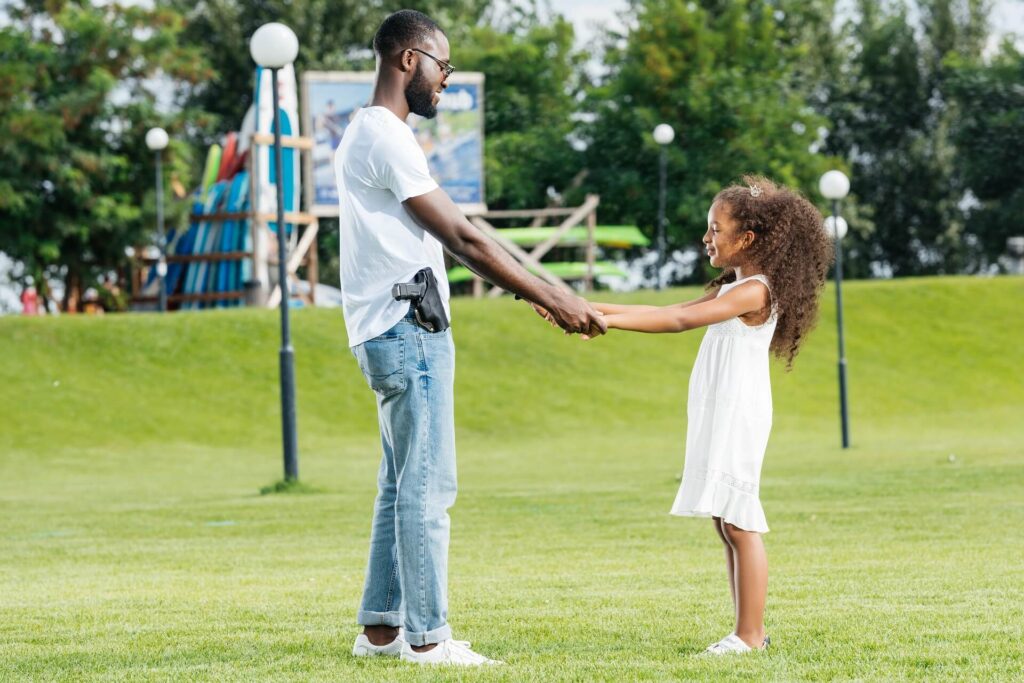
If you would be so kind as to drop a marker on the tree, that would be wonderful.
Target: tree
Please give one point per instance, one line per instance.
(533, 79)
(531, 68)
(337, 35)
(726, 76)
(989, 133)
(532, 73)
(887, 101)
(74, 108)
(333, 35)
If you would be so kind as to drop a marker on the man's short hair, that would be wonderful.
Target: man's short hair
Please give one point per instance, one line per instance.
(404, 29)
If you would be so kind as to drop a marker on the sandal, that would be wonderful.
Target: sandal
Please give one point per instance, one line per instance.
(732, 644)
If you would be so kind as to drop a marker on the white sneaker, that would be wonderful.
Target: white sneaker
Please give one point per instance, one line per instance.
(449, 652)
(364, 648)
(732, 644)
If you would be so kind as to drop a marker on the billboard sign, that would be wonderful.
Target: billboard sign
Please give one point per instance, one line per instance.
(453, 141)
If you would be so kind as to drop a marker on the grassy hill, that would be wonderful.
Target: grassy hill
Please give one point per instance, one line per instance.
(134, 543)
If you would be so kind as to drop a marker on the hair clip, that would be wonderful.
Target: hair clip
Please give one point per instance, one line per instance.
(755, 191)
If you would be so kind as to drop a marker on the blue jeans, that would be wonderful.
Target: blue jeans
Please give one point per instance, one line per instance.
(412, 373)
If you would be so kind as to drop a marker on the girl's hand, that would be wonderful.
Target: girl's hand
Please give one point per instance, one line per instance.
(592, 333)
(543, 312)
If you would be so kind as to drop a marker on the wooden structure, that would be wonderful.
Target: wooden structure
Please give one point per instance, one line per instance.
(301, 248)
(531, 260)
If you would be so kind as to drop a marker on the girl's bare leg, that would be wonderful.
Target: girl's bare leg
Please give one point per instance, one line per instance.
(751, 582)
(730, 568)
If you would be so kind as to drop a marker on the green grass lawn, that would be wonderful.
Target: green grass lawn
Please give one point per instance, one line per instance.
(134, 544)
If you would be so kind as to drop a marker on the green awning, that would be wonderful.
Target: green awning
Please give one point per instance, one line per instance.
(613, 236)
(565, 271)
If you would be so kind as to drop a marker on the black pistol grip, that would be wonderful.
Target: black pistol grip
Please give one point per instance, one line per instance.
(408, 291)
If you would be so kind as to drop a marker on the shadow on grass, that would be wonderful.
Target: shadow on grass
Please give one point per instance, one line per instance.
(292, 486)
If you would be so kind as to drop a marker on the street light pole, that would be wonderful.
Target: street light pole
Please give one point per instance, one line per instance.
(273, 46)
(161, 267)
(661, 217)
(843, 410)
(663, 135)
(287, 354)
(156, 140)
(834, 185)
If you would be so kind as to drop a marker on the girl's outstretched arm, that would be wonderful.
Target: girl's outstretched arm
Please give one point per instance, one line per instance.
(610, 309)
(623, 308)
(710, 296)
(746, 298)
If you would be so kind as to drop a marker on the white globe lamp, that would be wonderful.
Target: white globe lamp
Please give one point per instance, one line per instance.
(274, 45)
(156, 139)
(834, 222)
(834, 185)
(664, 134)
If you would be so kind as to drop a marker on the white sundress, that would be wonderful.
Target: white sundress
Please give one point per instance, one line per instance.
(729, 417)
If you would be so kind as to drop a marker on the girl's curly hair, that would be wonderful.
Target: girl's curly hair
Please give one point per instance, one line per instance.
(792, 249)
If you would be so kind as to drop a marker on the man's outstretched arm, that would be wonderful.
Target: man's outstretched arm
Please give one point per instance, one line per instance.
(438, 215)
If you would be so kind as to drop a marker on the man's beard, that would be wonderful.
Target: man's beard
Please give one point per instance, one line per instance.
(420, 96)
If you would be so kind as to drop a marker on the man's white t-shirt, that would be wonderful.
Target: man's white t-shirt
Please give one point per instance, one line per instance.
(379, 165)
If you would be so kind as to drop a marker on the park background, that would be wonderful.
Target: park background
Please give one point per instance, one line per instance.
(135, 542)
(919, 103)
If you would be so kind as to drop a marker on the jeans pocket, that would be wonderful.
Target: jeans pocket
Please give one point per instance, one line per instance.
(382, 361)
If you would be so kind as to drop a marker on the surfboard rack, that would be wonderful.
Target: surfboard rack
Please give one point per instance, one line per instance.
(205, 297)
(301, 251)
(302, 243)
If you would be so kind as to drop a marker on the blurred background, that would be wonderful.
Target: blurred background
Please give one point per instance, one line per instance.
(920, 103)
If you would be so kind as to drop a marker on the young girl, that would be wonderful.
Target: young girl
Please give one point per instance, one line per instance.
(774, 252)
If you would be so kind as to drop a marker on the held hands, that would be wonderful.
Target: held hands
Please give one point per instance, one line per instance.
(574, 315)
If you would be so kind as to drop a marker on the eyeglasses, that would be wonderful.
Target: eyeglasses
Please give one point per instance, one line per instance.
(448, 69)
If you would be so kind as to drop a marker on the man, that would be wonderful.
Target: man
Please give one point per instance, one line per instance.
(394, 220)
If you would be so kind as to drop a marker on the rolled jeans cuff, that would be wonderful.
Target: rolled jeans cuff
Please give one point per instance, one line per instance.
(428, 637)
(392, 619)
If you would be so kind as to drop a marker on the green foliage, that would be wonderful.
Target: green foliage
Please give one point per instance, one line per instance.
(888, 106)
(725, 76)
(989, 132)
(74, 108)
(532, 74)
(903, 100)
(333, 35)
(533, 77)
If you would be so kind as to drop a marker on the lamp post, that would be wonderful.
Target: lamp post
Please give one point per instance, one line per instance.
(663, 135)
(273, 46)
(834, 185)
(156, 140)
